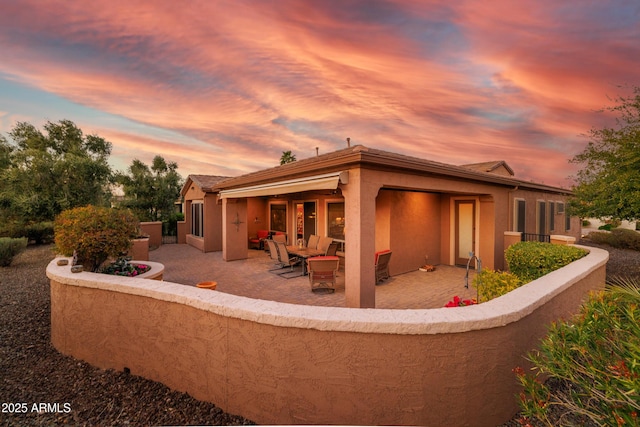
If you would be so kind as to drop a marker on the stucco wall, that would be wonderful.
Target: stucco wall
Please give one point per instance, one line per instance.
(278, 363)
(154, 230)
(409, 224)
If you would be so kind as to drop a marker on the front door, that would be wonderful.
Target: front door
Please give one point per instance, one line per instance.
(465, 225)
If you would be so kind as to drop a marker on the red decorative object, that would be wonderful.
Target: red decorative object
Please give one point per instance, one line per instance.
(457, 302)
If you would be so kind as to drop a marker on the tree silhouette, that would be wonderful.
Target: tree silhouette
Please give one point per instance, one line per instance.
(287, 157)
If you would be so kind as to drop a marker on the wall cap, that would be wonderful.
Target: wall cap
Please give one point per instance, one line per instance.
(498, 312)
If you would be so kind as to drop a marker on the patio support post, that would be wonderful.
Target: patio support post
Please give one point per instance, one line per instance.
(360, 224)
(234, 229)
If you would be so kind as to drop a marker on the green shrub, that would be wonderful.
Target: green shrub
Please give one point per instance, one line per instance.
(9, 248)
(95, 233)
(606, 227)
(530, 260)
(586, 223)
(593, 364)
(600, 237)
(40, 232)
(625, 239)
(492, 284)
(618, 238)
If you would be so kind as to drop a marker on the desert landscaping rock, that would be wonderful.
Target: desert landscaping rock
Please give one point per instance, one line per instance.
(32, 370)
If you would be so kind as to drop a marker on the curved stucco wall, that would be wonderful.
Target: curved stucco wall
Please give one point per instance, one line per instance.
(277, 363)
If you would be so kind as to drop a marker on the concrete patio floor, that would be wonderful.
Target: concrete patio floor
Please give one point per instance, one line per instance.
(251, 278)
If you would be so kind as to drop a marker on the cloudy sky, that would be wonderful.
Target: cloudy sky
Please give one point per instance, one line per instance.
(224, 87)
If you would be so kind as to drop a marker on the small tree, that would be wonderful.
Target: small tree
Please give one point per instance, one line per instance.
(609, 183)
(95, 233)
(287, 157)
(42, 174)
(151, 192)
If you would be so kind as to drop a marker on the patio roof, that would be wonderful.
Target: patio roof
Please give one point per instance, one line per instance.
(327, 181)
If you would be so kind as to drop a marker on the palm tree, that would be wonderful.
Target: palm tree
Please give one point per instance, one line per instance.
(287, 157)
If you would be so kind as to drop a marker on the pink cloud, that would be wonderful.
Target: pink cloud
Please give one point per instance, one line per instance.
(240, 81)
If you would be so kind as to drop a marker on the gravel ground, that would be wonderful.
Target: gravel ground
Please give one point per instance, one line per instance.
(33, 372)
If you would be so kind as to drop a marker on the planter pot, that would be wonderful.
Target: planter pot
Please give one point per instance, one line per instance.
(207, 285)
(156, 272)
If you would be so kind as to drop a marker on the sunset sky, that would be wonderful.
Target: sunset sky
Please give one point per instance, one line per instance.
(224, 87)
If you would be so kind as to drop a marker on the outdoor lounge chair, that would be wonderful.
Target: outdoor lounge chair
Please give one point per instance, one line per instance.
(257, 242)
(323, 271)
(382, 265)
(313, 241)
(332, 249)
(285, 259)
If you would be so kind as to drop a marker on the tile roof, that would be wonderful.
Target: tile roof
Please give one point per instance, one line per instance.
(489, 166)
(206, 182)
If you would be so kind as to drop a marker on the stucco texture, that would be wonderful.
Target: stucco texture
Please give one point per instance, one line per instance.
(277, 363)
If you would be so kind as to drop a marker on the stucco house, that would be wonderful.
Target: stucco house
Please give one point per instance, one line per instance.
(371, 200)
(202, 227)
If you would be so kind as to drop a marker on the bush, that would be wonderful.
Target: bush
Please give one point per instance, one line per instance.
(95, 233)
(530, 260)
(600, 237)
(40, 232)
(592, 363)
(618, 238)
(492, 284)
(9, 248)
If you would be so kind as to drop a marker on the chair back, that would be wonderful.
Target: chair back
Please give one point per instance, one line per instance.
(332, 249)
(273, 250)
(280, 238)
(323, 264)
(282, 252)
(324, 243)
(382, 265)
(263, 234)
(323, 269)
(313, 241)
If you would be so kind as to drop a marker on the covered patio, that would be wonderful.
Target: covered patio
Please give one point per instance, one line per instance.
(251, 278)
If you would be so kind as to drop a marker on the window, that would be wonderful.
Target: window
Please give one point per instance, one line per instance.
(552, 216)
(278, 217)
(335, 220)
(567, 220)
(197, 218)
(560, 207)
(542, 217)
(520, 215)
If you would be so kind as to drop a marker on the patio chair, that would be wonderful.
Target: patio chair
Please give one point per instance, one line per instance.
(323, 271)
(285, 259)
(313, 241)
(324, 243)
(257, 242)
(273, 254)
(332, 249)
(382, 265)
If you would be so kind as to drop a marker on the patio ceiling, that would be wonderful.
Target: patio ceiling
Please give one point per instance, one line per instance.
(327, 181)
